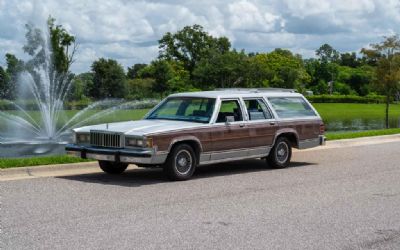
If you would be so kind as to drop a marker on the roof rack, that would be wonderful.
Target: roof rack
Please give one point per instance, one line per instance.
(257, 90)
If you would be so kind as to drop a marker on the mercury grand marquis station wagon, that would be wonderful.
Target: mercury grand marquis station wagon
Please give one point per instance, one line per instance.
(186, 130)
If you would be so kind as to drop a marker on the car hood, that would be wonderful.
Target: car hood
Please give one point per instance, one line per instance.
(141, 127)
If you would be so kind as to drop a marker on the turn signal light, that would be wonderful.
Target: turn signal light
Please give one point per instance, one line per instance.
(321, 129)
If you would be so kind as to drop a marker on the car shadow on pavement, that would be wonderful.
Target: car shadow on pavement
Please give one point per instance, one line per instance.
(140, 177)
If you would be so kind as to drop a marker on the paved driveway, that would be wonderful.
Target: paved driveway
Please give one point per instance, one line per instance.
(338, 198)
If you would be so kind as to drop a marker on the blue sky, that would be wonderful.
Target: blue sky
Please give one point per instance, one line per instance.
(128, 30)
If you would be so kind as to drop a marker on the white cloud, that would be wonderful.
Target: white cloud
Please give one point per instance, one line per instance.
(128, 30)
(245, 15)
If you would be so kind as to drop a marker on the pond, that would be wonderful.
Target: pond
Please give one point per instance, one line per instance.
(356, 117)
(338, 117)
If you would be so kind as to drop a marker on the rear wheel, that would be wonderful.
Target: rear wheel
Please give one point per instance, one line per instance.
(112, 167)
(280, 155)
(181, 163)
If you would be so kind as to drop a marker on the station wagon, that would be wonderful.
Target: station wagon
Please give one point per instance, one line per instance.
(187, 130)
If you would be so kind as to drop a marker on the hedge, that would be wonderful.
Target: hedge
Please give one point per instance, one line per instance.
(31, 105)
(346, 99)
(72, 105)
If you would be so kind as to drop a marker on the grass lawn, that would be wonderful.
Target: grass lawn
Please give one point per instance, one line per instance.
(36, 161)
(357, 134)
(350, 111)
(330, 112)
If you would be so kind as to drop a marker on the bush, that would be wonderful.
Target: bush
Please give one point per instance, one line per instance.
(31, 104)
(346, 99)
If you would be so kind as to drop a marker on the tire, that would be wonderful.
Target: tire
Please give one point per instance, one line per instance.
(110, 167)
(181, 163)
(280, 155)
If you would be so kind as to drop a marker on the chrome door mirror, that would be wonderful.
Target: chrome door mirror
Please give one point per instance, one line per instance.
(229, 120)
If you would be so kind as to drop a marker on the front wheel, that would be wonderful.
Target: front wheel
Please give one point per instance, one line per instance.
(112, 167)
(181, 163)
(280, 154)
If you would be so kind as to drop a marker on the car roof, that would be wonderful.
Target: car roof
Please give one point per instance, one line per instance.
(233, 93)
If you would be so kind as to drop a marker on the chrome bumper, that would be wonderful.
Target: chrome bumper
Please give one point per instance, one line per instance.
(145, 156)
(322, 140)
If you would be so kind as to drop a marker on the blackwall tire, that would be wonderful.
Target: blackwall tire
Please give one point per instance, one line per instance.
(110, 167)
(280, 154)
(181, 163)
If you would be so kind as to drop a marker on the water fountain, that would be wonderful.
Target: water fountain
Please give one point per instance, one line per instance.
(22, 133)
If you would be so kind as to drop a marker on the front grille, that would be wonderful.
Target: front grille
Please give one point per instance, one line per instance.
(105, 139)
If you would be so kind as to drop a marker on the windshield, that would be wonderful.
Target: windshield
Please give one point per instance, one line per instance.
(191, 109)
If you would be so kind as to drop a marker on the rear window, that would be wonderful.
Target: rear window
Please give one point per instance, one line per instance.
(290, 107)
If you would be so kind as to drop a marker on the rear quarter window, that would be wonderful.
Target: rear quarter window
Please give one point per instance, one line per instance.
(291, 107)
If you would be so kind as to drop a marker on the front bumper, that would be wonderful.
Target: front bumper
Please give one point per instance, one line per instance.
(322, 140)
(145, 156)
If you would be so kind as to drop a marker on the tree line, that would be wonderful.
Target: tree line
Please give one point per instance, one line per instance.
(192, 59)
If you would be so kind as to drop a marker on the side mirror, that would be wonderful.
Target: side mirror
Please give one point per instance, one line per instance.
(229, 119)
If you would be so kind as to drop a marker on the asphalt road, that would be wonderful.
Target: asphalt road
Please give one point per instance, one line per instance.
(342, 198)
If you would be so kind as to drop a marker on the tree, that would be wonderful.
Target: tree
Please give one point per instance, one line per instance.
(288, 69)
(190, 45)
(221, 70)
(81, 86)
(139, 88)
(388, 68)
(134, 70)
(108, 79)
(169, 76)
(327, 53)
(349, 59)
(63, 46)
(14, 67)
(4, 84)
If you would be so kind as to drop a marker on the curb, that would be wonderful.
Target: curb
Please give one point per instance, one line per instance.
(92, 167)
(48, 170)
(362, 141)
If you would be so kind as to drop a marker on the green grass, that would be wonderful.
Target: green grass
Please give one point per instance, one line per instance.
(330, 112)
(348, 111)
(36, 161)
(350, 135)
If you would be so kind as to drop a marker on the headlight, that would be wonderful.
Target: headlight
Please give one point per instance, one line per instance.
(139, 142)
(82, 138)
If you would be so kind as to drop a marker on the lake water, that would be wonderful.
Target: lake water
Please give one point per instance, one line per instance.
(359, 124)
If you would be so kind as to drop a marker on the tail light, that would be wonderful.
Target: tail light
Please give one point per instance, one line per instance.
(321, 129)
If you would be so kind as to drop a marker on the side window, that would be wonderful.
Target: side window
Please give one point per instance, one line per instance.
(257, 109)
(229, 108)
(289, 107)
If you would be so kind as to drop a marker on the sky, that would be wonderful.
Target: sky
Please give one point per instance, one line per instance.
(128, 31)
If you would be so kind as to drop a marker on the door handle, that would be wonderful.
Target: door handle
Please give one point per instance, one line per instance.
(241, 125)
(271, 123)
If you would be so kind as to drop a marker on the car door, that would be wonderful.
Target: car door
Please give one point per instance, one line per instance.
(229, 134)
(261, 125)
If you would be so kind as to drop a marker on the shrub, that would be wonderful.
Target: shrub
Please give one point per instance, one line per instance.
(346, 99)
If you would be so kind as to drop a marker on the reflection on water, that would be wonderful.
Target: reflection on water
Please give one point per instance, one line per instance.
(359, 124)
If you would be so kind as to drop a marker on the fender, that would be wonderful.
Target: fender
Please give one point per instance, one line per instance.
(284, 131)
(185, 138)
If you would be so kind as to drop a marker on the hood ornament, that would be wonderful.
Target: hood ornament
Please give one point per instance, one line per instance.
(107, 126)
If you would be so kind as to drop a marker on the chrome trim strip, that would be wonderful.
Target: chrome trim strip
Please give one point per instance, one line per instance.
(238, 149)
(232, 159)
(233, 155)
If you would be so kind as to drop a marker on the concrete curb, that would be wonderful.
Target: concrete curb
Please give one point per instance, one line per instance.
(363, 141)
(92, 167)
(48, 170)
